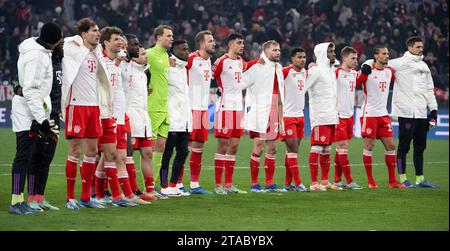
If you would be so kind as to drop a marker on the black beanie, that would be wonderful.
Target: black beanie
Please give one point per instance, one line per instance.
(50, 33)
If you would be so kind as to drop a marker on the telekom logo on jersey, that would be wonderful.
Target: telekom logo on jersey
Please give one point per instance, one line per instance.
(238, 76)
(91, 65)
(383, 86)
(300, 84)
(206, 75)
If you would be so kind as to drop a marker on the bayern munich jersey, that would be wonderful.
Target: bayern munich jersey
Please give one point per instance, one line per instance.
(346, 85)
(228, 73)
(199, 79)
(83, 91)
(119, 101)
(294, 98)
(376, 92)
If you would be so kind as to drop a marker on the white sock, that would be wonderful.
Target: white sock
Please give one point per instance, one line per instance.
(194, 184)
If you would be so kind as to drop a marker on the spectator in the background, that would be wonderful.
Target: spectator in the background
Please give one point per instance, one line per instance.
(293, 23)
(4, 32)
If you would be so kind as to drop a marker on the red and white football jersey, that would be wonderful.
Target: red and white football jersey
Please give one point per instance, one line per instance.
(199, 79)
(83, 91)
(376, 91)
(346, 85)
(294, 99)
(228, 73)
(119, 100)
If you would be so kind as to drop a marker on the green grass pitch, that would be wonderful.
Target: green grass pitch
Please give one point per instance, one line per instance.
(383, 209)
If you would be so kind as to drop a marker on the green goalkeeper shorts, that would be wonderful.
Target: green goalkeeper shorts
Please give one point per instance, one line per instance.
(160, 124)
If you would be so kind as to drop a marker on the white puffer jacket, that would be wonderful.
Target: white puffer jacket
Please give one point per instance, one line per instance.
(322, 89)
(134, 83)
(259, 82)
(74, 54)
(35, 76)
(413, 87)
(180, 114)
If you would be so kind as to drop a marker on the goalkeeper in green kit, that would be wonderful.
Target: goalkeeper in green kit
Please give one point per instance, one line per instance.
(158, 61)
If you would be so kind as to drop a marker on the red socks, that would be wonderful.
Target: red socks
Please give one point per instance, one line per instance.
(324, 167)
(87, 174)
(344, 164)
(269, 168)
(195, 163)
(292, 166)
(367, 159)
(149, 185)
(100, 180)
(124, 183)
(389, 158)
(219, 167)
(229, 169)
(254, 168)
(288, 176)
(71, 176)
(337, 168)
(132, 174)
(111, 173)
(314, 166)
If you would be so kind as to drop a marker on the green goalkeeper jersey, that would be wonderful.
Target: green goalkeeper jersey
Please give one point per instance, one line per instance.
(158, 60)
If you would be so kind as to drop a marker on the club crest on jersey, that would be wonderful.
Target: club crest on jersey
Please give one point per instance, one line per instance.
(76, 129)
(214, 67)
(369, 131)
(322, 138)
(289, 132)
(225, 130)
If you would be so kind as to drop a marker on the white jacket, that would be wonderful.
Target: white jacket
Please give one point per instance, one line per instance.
(134, 83)
(36, 77)
(321, 86)
(74, 54)
(259, 82)
(413, 87)
(180, 114)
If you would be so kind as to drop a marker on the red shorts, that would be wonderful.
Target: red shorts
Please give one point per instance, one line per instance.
(376, 127)
(141, 142)
(322, 135)
(109, 132)
(229, 124)
(200, 125)
(121, 137)
(294, 127)
(127, 123)
(344, 130)
(83, 122)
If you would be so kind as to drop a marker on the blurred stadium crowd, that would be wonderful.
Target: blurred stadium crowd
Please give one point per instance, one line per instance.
(359, 23)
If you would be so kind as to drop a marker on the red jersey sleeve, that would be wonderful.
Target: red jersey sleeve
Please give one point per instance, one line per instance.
(286, 71)
(361, 79)
(190, 60)
(217, 67)
(250, 63)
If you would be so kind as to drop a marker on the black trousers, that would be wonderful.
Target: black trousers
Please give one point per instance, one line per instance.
(414, 130)
(24, 152)
(39, 167)
(179, 141)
